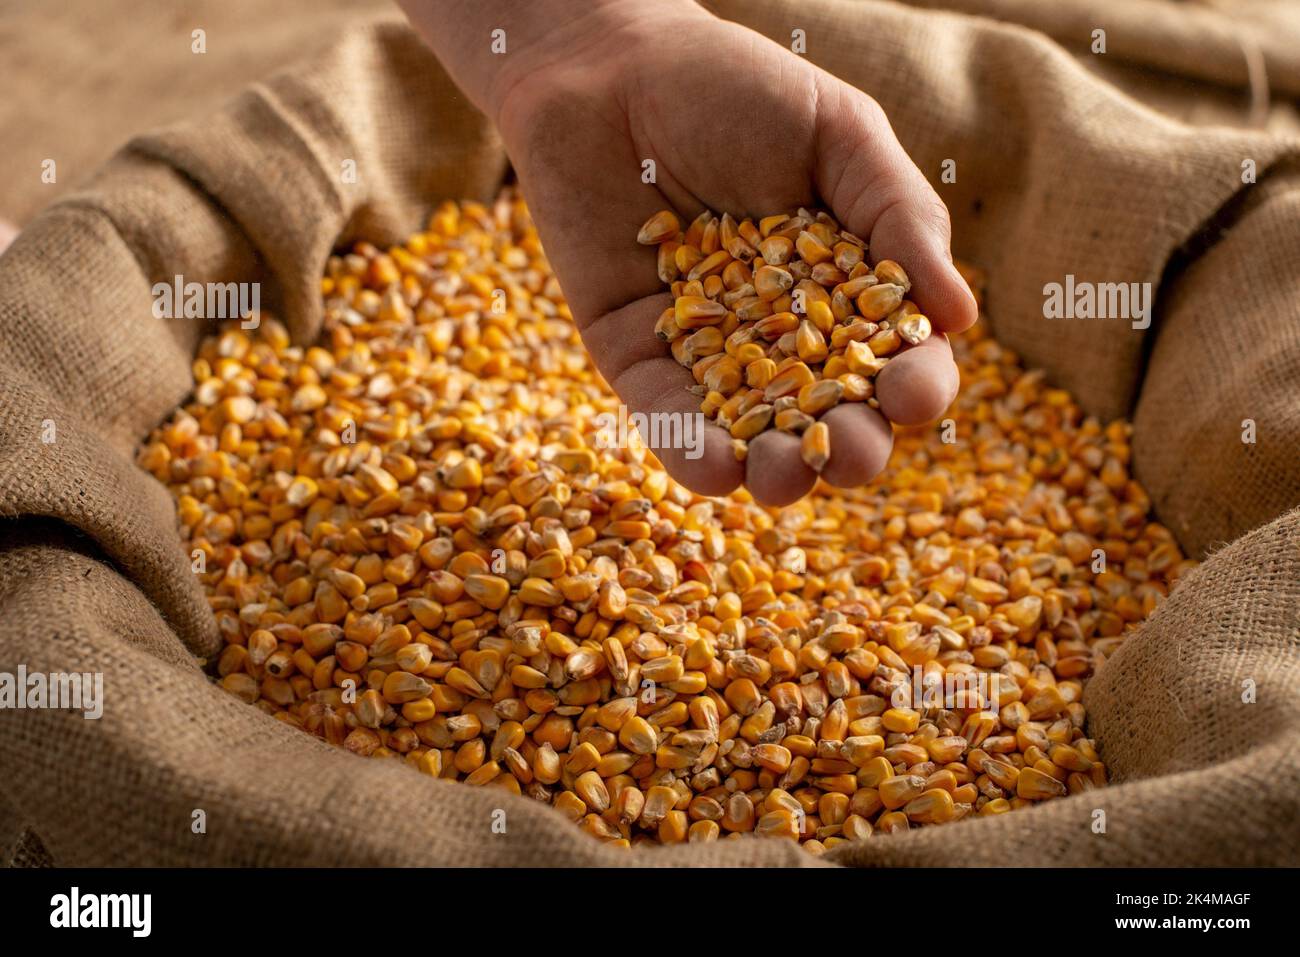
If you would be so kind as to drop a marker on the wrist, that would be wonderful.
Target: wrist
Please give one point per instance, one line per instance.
(492, 48)
(596, 44)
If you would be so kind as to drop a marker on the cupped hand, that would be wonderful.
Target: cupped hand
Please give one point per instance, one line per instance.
(733, 123)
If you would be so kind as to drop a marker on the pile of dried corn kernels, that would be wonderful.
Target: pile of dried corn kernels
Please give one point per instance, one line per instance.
(415, 549)
(779, 321)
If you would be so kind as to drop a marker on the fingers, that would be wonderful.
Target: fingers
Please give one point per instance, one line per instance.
(774, 472)
(915, 387)
(861, 441)
(913, 231)
(637, 366)
(695, 452)
(698, 454)
(918, 384)
(877, 192)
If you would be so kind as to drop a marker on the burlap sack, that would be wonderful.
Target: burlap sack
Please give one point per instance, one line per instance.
(1057, 173)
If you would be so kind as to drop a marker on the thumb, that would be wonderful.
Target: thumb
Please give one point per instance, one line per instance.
(876, 191)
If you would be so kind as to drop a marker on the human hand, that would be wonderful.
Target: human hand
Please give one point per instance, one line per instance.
(734, 123)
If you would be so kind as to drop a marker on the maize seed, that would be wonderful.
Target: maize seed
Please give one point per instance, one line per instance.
(661, 226)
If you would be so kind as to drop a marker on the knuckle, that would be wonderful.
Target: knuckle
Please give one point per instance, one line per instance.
(935, 214)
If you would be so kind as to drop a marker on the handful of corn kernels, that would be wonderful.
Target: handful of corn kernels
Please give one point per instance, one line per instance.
(781, 321)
